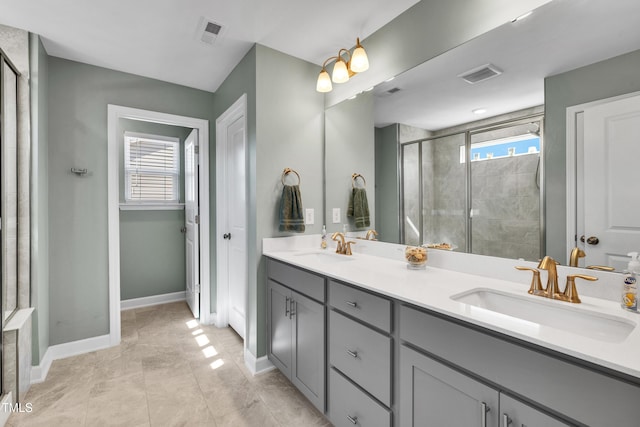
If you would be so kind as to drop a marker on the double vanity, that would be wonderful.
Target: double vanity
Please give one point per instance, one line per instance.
(372, 343)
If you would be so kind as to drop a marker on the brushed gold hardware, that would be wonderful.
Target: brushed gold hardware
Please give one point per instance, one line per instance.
(570, 291)
(347, 250)
(356, 176)
(286, 172)
(341, 243)
(371, 235)
(536, 286)
(551, 290)
(601, 268)
(592, 240)
(576, 253)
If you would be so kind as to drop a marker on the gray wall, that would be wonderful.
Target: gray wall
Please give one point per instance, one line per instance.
(289, 131)
(387, 184)
(152, 248)
(604, 79)
(78, 98)
(350, 148)
(39, 63)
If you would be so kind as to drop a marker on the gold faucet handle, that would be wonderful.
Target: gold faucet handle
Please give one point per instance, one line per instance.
(570, 291)
(536, 286)
(601, 268)
(348, 247)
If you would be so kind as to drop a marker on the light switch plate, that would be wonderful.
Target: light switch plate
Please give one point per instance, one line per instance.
(309, 216)
(336, 215)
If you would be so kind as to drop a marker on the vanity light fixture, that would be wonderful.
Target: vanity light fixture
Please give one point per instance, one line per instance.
(356, 62)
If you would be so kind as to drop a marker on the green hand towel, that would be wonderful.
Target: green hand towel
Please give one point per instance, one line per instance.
(291, 212)
(359, 207)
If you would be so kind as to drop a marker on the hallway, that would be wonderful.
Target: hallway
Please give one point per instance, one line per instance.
(167, 371)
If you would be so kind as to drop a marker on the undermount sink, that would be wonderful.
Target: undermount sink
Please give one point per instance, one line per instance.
(553, 314)
(327, 257)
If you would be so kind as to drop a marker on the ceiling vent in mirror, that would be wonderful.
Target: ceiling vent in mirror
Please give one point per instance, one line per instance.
(480, 74)
(209, 31)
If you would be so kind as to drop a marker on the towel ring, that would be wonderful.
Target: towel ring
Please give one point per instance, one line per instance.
(286, 172)
(356, 176)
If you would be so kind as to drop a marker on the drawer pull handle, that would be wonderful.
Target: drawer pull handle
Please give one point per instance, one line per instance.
(286, 307)
(483, 419)
(354, 420)
(352, 304)
(292, 309)
(506, 420)
(353, 354)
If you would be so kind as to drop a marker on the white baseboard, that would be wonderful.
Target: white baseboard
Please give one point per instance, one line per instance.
(61, 351)
(129, 304)
(259, 365)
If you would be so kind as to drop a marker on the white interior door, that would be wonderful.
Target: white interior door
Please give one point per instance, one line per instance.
(236, 219)
(611, 164)
(192, 247)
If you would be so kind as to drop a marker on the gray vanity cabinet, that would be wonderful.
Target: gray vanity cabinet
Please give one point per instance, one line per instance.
(431, 394)
(296, 328)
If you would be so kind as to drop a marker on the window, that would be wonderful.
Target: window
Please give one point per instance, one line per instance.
(152, 169)
(505, 147)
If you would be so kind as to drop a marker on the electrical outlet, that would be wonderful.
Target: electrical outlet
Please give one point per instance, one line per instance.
(309, 216)
(336, 215)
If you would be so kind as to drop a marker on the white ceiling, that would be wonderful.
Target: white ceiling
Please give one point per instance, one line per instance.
(559, 36)
(157, 38)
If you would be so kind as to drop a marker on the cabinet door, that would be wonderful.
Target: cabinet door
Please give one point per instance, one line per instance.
(514, 413)
(308, 373)
(279, 325)
(432, 394)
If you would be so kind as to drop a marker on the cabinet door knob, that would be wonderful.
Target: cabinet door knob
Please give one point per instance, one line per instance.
(354, 420)
(352, 304)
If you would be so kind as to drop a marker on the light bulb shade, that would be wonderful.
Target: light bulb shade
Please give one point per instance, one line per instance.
(324, 82)
(359, 60)
(340, 72)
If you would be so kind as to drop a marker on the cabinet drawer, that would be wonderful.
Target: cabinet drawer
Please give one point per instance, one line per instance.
(349, 406)
(362, 354)
(299, 280)
(367, 307)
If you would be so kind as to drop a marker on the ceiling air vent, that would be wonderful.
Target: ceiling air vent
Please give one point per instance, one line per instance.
(209, 31)
(479, 74)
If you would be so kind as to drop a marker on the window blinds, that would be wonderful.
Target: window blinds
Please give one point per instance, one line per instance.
(152, 169)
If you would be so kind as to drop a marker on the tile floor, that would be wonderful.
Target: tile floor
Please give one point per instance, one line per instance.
(168, 371)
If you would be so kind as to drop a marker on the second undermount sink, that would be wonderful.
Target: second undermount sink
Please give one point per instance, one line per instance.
(324, 256)
(539, 311)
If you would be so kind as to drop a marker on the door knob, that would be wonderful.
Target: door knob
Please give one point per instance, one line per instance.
(592, 240)
(226, 236)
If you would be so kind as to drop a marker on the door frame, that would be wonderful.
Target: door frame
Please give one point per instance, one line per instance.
(234, 112)
(575, 148)
(114, 113)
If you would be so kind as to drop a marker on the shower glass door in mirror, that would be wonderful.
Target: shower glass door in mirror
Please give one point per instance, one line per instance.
(434, 192)
(505, 190)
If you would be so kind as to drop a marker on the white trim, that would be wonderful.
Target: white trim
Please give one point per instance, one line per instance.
(4, 415)
(129, 304)
(259, 365)
(151, 207)
(61, 351)
(114, 113)
(237, 110)
(571, 166)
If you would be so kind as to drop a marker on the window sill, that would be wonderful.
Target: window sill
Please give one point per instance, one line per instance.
(151, 207)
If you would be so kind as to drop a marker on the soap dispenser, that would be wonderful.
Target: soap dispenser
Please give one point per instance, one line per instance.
(323, 244)
(630, 286)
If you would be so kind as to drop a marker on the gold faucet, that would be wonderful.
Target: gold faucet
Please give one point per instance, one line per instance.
(551, 290)
(371, 235)
(342, 248)
(576, 253)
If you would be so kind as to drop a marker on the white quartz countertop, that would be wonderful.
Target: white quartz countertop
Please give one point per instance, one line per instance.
(432, 289)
